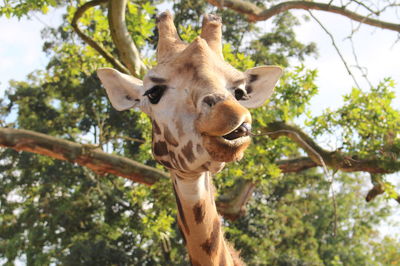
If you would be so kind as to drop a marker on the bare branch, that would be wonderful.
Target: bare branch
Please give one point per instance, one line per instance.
(84, 155)
(363, 70)
(365, 6)
(334, 159)
(127, 50)
(74, 23)
(255, 13)
(336, 48)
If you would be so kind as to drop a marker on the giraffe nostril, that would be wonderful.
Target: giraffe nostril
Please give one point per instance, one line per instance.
(209, 100)
(213, 99)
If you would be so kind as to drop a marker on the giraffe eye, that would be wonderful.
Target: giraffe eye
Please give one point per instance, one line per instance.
(155, 93)
(240, 94)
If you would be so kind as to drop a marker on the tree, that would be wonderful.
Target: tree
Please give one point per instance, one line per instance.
(56, 211)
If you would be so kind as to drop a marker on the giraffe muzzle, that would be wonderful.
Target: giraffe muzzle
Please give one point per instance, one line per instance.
(225, 129)
(242, 131)
(227, 119)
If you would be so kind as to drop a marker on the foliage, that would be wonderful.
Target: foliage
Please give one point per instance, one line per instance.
(292, 220)
(19, 8)
(53, 212)
(368, 121)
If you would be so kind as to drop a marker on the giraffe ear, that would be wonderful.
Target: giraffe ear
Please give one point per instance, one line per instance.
(260, 85)
(124, 91)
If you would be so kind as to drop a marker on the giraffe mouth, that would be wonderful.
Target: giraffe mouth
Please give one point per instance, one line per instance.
(228, 147)
(223, 149)
(233, 143)
(242, 131)
(236, 138)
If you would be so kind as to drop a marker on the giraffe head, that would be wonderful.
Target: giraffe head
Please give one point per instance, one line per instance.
(196, 101)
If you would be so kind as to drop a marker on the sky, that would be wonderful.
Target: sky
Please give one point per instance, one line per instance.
(377, 51)
(21, 46)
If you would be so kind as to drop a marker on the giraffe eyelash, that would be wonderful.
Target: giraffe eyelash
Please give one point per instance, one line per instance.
(155, 93)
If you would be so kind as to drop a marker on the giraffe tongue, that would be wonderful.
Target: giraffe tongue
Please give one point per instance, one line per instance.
(241, 131)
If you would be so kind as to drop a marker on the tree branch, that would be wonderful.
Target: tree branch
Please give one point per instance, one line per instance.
(74, 23)
(374, 191)
(232, 205)
(336, 48)
(378, 188)
(334, 159)
(255, 13)
(296, 165)
(127, 50)
(84, 155)
(103, 163)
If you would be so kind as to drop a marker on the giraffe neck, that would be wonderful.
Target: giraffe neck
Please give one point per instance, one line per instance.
(199, 221)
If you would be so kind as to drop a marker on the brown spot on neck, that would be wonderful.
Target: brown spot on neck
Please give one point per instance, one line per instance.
(199, 211)
(180, 212)
(160, 148)
(187, 151)
(210, 246)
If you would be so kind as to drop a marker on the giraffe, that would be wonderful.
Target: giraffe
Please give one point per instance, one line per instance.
(198, 104)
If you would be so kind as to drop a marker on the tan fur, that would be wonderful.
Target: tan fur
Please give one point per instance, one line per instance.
(168, 37)
(198, 125)
(211, 32)
(200, 221)
(199, 68)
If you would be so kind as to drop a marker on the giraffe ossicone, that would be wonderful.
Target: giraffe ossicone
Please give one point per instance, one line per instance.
(198, 106)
